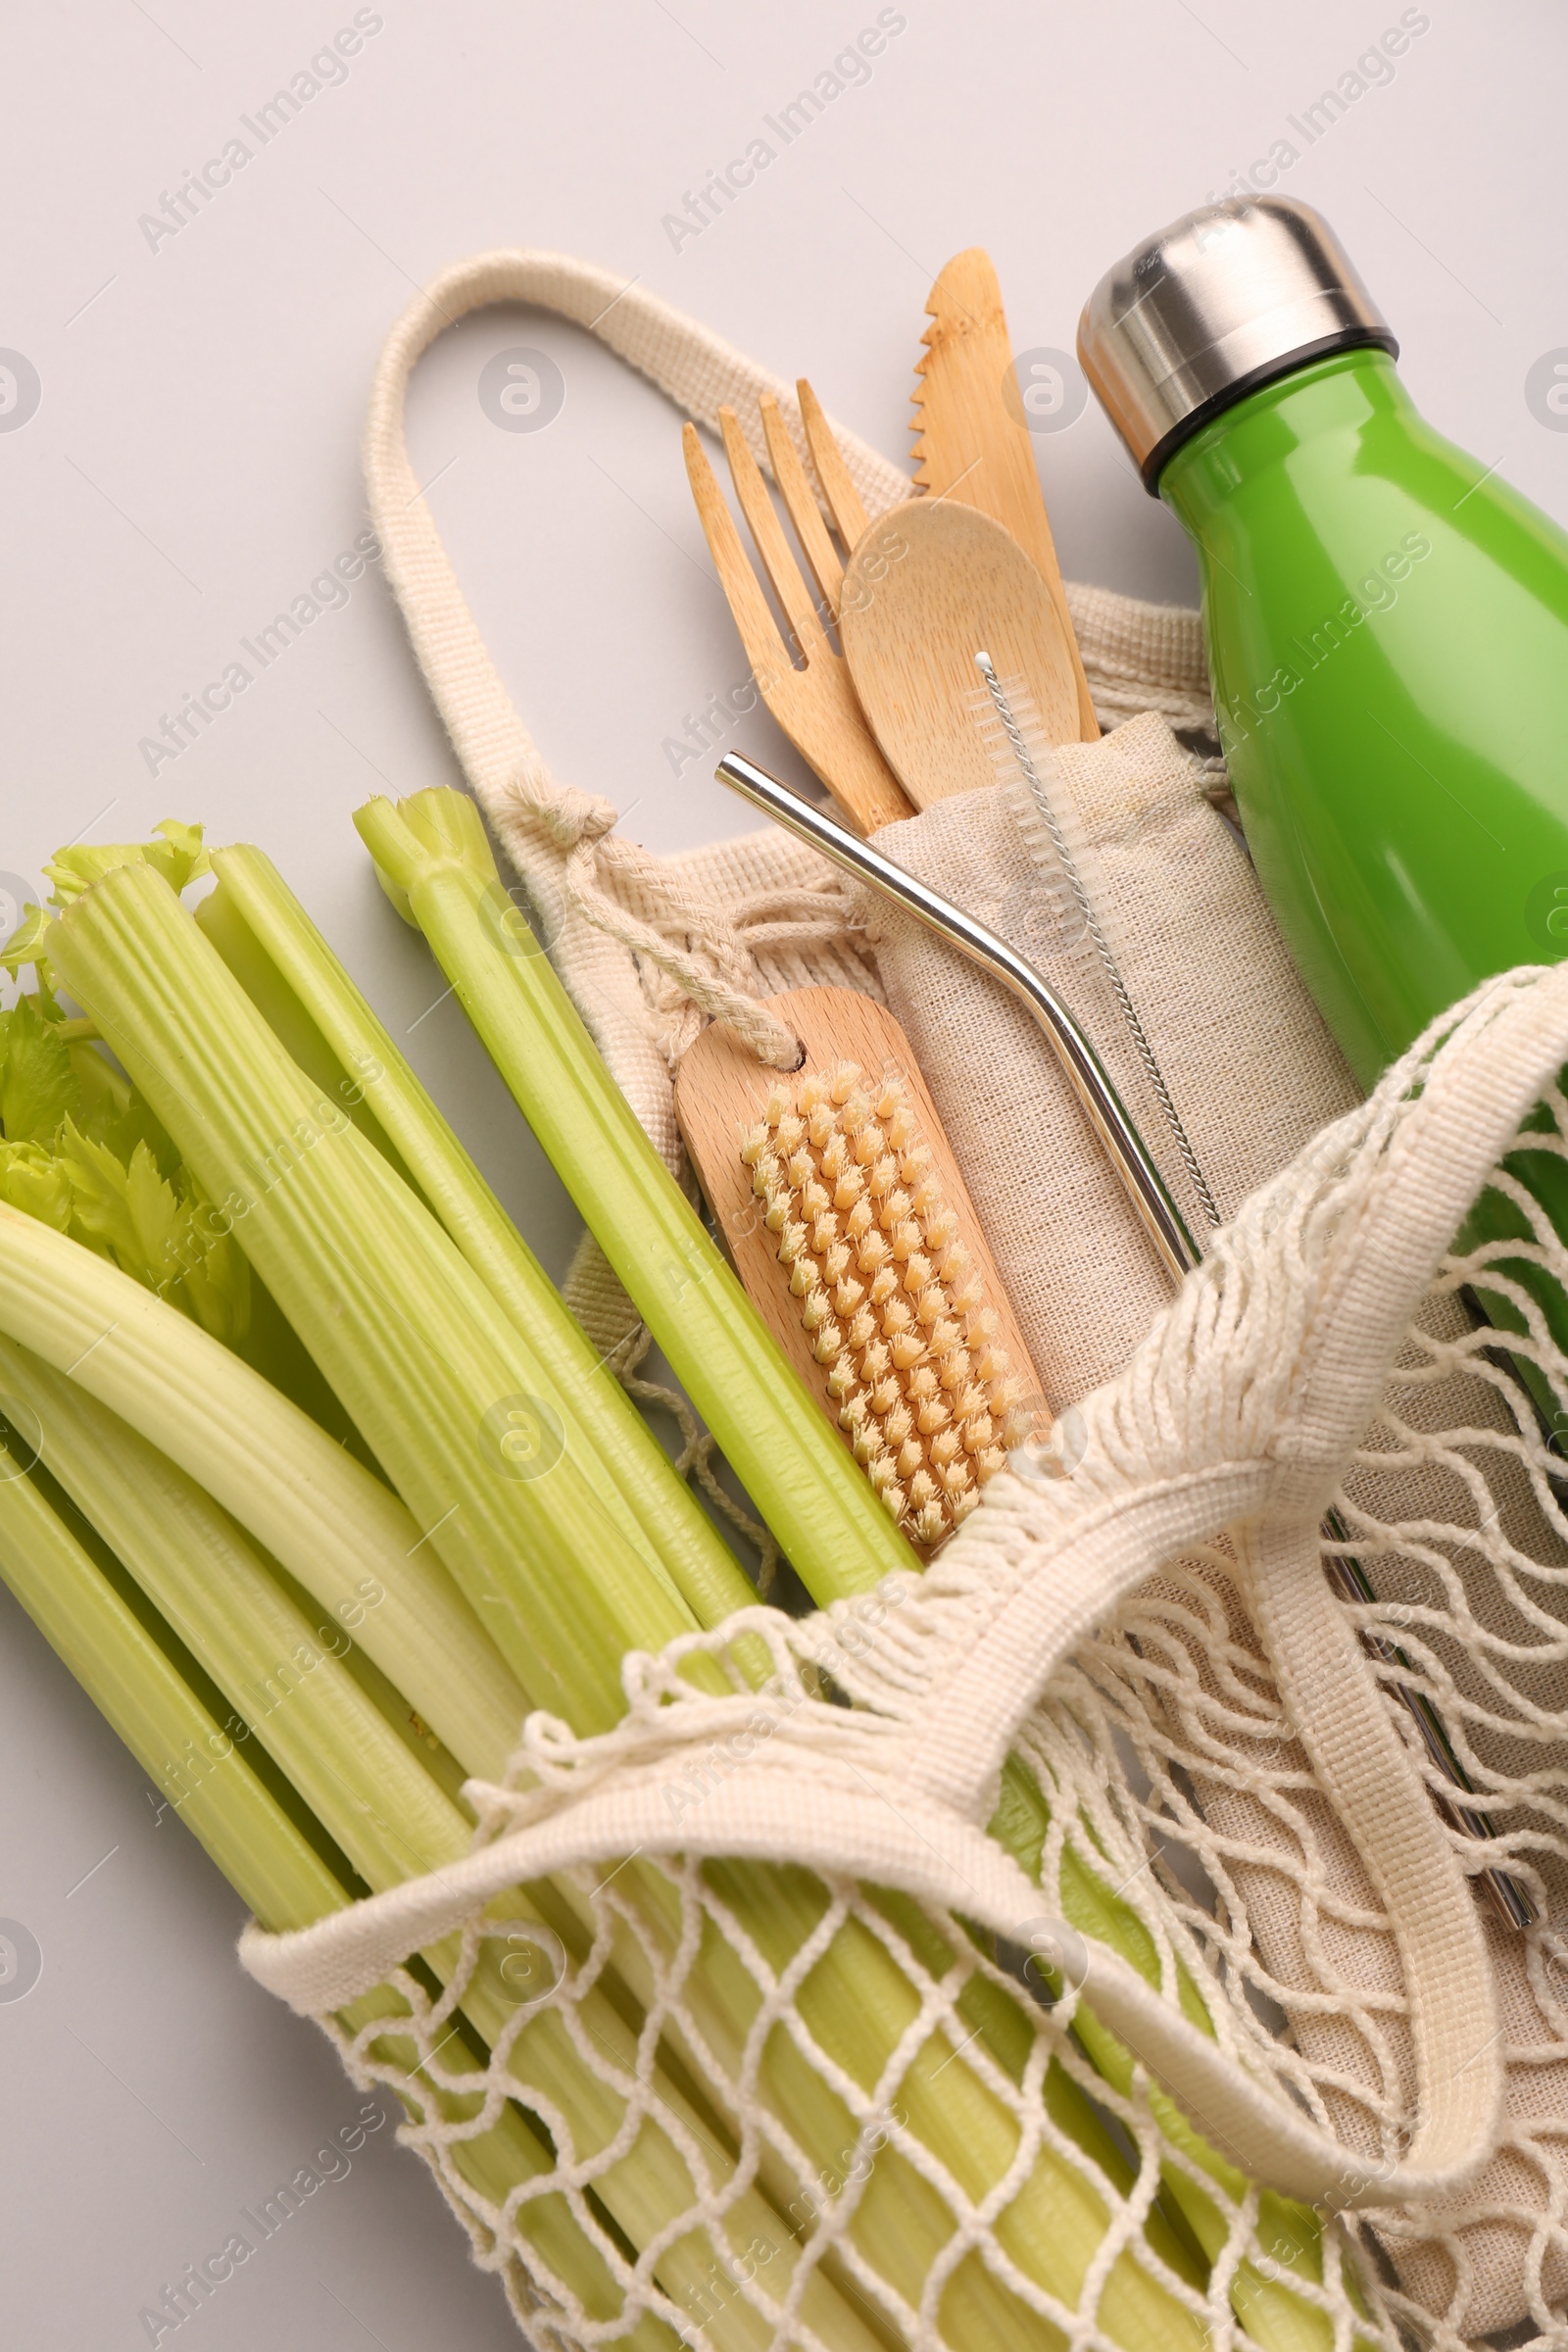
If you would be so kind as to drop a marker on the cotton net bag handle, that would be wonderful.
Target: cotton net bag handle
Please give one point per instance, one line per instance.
(550, 827)
(697, 370)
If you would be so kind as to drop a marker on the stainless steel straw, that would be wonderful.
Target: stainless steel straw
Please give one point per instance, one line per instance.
(1145, 1189)
(1085, 1073)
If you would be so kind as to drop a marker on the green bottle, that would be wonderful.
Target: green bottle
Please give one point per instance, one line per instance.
(1386, 626)
(1387, 622)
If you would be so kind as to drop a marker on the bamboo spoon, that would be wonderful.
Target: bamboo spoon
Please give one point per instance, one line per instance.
(931, 584)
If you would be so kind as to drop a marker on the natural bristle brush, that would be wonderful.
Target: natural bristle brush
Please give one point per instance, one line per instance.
(852, 1229)
(887, 1294)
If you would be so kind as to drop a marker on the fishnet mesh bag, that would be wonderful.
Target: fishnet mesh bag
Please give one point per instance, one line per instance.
(1250, 1966)
(1151, 1635)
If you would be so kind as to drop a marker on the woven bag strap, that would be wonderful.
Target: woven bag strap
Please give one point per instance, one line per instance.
(699, 372)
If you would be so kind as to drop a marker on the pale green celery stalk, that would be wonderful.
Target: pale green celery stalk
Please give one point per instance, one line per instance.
(199, 1572)
(1009, 2028)
(446, 1391)
(1274, 2316)
(287, 967)
(433, 858)
(859, 2004)
(195, 1765)
(436, 864)
(371, 1793)
(334, 1526)
(265, 1856)
(221, 917)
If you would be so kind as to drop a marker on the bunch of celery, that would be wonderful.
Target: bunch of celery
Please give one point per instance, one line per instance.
(292, 1362)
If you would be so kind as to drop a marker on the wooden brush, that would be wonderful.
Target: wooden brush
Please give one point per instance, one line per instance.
(853, 1231)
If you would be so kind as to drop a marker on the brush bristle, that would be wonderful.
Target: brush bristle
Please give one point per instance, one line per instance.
(887, 1294)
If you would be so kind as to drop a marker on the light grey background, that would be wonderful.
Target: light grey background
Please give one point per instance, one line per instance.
(192, 465)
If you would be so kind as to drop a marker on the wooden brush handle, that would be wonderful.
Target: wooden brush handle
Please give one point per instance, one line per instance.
(720, 1093)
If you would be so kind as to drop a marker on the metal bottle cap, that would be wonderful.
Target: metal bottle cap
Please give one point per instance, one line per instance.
(1222, 301)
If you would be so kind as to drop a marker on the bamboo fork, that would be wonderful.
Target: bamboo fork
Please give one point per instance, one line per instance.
(843, 498)
(815, 705)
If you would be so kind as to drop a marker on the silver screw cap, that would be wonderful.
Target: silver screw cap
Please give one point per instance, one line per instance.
(1222, 301)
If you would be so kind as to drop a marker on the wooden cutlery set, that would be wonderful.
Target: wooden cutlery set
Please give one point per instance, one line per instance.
(889, 719)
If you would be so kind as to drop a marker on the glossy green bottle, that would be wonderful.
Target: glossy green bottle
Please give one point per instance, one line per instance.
(1387, 632)
(1386, 626)
(1387, 622)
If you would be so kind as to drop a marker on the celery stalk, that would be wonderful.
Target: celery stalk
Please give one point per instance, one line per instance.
(262, 932)
(1278, 2320)
(330, 1522)
(442, 1386)
(1275, 2318)
(498, 2163)
(182, 1749)
(264, 1855)
(432, 854)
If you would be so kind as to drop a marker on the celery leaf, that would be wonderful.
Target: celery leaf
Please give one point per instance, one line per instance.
(38, 1087)
(33, 1180)
(176, 854)
(25, 946)
(160, 1229)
